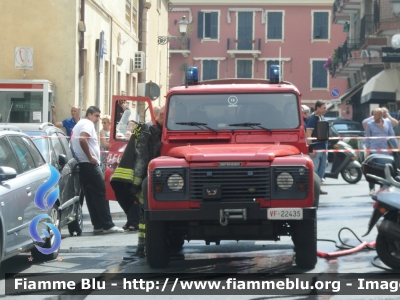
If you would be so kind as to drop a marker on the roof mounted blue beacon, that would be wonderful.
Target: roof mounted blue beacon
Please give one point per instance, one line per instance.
(274, 74)
(192, 75)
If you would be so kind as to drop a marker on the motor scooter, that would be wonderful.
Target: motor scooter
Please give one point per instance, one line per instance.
(381, 169)
(345, 163)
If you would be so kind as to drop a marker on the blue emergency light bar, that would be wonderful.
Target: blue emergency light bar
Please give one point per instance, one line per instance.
(274, 74)
(192, 75)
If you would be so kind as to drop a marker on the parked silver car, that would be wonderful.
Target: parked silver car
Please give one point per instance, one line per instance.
(23, 171)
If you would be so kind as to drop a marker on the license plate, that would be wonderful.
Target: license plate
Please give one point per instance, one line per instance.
(285, 214)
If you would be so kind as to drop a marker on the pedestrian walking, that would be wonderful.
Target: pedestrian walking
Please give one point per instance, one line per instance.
(378, 127)
(87, 152)
(69, 123)
(104, 141)
(318, 158)
(143, 146)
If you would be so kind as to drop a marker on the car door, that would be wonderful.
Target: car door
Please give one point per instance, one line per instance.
(14, 202)
(65, 182)
(32, 172)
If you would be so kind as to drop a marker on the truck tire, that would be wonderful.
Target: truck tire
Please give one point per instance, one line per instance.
(176, 243)
(157, 246)
(304, 238)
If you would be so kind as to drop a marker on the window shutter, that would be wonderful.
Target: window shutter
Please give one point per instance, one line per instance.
(244, 69)
(324, 25)
(210, 69)
(321, 25)
(214, 25)
(319, 75)
(200, 17)
(274, 25)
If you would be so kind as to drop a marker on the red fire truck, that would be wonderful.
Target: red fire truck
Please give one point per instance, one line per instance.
(233, 166)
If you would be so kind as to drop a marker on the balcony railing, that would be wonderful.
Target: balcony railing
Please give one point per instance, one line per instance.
(367, 27)
(179, 43)
(235, 44)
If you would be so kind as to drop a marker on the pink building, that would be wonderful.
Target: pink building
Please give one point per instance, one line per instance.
(242, 41)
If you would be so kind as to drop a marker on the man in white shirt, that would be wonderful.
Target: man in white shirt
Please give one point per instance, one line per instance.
(87, 151)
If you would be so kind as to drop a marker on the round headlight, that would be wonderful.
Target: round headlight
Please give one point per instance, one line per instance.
(175, 182)
(284, 181)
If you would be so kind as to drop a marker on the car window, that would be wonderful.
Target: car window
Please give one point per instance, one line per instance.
(7, 156)
(340, 127)
(55, 141)
(43, 146)
(37, 158)
(23, 154)
(63, 139)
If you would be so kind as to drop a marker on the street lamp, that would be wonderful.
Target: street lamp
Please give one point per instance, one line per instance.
(183, 24)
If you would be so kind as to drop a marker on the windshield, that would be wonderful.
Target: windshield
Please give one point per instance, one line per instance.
(234, 111)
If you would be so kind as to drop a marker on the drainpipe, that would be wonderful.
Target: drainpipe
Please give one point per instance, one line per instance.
(143, 47)
(81, 59)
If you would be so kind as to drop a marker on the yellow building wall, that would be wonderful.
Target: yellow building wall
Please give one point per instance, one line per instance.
(50, 27)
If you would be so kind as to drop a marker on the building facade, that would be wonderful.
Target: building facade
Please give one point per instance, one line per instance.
(227, 39)
(88, 49)
(366, 55)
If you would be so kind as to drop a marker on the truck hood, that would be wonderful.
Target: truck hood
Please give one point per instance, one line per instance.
(232, 152)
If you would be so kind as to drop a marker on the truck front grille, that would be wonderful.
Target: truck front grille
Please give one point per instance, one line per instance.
(236, 183)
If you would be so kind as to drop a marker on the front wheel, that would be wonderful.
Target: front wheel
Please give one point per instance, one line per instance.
(351, 175)
(304, 238)
(55, 215)
(388, 249)
(157, 246)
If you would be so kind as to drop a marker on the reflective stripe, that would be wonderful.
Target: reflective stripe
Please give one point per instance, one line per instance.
(142, 226)
(123, 173)
(141, 235)
(137, 180)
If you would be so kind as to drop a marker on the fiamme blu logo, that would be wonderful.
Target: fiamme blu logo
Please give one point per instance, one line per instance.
(46, 195)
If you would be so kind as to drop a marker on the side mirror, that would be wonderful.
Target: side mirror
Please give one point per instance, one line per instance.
(7, 173)
(322, 131)
(62, 160)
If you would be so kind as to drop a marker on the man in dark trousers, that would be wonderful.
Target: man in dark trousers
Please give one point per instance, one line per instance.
(143, 146)
(87, 152)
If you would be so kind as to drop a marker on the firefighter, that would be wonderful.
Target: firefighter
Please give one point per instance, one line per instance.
(143, 146)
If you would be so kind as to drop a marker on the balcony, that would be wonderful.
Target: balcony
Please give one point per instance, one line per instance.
(388, 22)
(349, 6)
(250, 47)
(339, 17)
(179, 45)
(351, 58)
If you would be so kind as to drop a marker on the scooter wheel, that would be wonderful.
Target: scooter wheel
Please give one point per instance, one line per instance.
(388, 251)
(351, 175)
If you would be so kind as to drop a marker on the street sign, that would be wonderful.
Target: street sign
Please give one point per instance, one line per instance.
(335, 92)
(336, 101)
(23, 58)
(390, 55)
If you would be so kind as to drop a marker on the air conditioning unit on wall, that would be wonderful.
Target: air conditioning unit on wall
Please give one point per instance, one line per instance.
(138, 64)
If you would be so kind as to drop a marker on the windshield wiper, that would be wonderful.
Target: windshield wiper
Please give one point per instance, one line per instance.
(197, 124)
(247, 124)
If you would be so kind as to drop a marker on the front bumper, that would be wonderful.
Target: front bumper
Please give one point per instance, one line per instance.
(211, 211)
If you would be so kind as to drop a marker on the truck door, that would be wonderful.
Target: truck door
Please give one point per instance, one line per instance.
(126, 113)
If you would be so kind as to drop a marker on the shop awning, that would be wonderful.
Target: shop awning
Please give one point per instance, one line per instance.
(383, 87)
(346, 96)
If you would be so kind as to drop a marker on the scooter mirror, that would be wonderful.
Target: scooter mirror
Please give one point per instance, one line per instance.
(322, 131)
